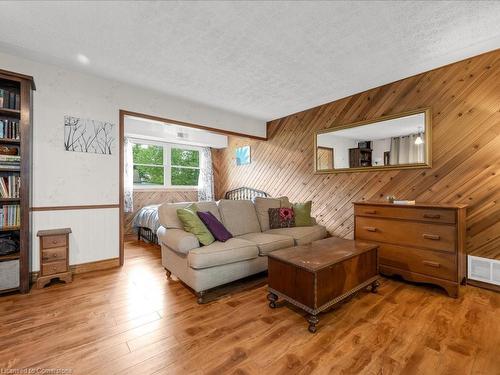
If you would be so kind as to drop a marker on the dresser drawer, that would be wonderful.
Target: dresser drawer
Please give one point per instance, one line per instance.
(54, 241)
(54, 254)
(53, 268)
(408, 213)
(415, 234)
(426, 262)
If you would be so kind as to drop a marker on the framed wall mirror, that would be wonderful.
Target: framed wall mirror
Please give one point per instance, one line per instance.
(400, 141)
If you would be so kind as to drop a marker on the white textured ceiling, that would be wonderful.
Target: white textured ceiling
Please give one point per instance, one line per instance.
(261, 59)
(397, 127)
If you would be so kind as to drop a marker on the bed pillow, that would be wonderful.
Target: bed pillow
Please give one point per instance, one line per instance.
(302, 214)
(281, 218)
(215, 227)
(193, 224)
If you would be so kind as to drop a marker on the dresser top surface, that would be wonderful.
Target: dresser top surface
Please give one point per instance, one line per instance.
(416, 205)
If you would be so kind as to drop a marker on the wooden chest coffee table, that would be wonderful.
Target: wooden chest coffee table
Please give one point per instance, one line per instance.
(317, 276)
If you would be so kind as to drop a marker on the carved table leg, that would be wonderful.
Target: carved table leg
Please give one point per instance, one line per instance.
(168, 273)
(272, 298)
(375, 286)
(312, 320)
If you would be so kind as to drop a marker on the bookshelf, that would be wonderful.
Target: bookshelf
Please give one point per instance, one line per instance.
(360, 157)
(15, 178)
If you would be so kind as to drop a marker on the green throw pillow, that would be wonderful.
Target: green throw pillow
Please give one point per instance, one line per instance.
(302, 214)
(193, 224)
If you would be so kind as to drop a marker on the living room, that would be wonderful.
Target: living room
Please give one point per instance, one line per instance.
(250, 187)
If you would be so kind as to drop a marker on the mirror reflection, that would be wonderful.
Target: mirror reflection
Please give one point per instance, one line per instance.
(390, 142)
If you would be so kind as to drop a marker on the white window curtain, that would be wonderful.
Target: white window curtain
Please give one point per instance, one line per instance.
(206, 177)
(405, 151)
(128, 176)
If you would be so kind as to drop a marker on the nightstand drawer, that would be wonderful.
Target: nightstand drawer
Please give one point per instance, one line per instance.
(53, 268)
(54, 241)
(54, 254)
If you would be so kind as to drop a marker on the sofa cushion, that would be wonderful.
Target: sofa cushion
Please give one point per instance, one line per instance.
(219, 253)
(262, 206)
(268, 242)
(302, 235)
(177, 240)
(239, 216)
(167, 212)
(193, 224)
(302, 214)
(281, 218)
(217, 229)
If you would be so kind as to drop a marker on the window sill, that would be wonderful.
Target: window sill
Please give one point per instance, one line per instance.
(159, 188)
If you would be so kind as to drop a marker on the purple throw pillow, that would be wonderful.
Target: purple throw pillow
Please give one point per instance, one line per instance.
(218, 230)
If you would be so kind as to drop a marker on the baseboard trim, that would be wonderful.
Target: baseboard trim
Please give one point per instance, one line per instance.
(87, 267)
(480, 284)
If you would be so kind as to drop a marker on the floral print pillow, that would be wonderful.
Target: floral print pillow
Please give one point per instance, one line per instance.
(281, 218)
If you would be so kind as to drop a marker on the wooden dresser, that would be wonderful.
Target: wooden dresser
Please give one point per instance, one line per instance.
(54, 256)
(422, 242)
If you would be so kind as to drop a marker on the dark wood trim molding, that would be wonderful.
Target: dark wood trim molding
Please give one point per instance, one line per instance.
(190, 125)
(121, 187)
(70, 208)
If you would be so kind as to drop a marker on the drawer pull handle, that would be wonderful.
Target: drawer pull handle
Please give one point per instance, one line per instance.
(371, 229)
(54, 241)
(54, 255)
(370, 212)
(432, 216)
(433, 237)
(431, 264)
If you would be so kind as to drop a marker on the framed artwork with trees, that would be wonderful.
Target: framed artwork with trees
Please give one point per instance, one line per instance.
(86, 135)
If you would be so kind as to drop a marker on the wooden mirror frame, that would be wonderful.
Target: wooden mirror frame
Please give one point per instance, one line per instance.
(428, 142)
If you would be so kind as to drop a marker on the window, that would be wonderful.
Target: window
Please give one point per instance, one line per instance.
(148, 164)
(165, 165)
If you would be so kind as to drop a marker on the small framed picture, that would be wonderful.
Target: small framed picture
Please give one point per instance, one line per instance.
(243, 155)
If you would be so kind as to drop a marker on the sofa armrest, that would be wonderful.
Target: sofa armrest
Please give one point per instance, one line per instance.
(177, 239)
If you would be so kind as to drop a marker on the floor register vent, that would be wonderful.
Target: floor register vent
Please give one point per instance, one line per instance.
(484, 269)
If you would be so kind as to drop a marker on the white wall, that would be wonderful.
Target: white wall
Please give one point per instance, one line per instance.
(379, 146)
(144, 129)
(340, 147)
(62, 178)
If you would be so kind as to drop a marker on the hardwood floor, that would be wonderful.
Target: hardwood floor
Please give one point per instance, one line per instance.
(132, 320)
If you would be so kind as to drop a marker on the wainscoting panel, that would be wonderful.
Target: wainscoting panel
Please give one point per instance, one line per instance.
(146, 197)
(465, 101)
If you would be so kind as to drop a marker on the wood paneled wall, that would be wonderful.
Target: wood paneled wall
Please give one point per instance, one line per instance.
(465, 101)
(145, 197)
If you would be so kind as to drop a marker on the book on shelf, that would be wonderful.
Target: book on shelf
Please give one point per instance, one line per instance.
(10, 99)
(10, 161)
(9, 129)
(10, 216)
(10, 186)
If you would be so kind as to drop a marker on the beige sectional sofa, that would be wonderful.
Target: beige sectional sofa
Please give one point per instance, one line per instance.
(205, 267)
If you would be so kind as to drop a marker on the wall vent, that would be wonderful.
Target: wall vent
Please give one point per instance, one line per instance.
(182, 135)
(484, 269)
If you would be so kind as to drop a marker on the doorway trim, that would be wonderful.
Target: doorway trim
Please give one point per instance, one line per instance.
(121, 136)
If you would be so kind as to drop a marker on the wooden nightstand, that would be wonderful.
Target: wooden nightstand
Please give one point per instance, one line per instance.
(54, 256)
